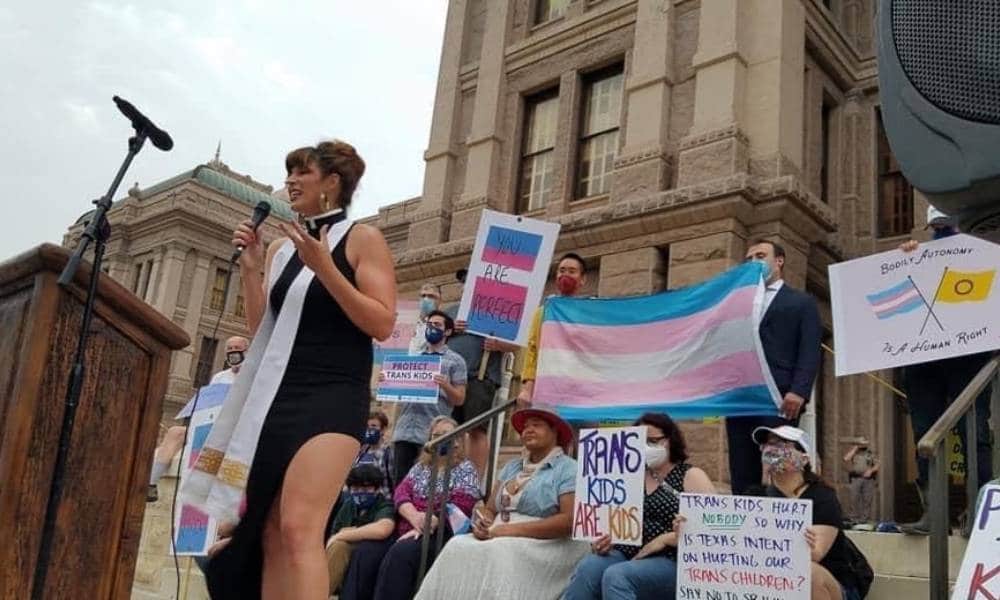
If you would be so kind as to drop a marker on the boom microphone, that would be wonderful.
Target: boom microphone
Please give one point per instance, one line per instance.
(260, 212)
(161, 139)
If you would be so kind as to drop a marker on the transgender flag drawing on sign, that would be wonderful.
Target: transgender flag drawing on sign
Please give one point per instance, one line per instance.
(692, 353)
(896, 300)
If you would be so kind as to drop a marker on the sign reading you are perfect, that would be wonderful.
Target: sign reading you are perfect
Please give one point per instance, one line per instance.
(507, 273)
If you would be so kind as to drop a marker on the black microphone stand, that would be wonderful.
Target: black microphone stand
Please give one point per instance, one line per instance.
(96, 232)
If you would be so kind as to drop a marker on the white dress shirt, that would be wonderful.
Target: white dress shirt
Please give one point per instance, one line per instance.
(770, 292)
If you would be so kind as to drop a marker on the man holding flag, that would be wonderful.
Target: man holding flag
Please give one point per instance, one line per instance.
(932, 386)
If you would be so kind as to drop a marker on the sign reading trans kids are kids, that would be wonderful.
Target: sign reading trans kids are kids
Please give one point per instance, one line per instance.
(507, 273)
(900, 308)
(610, 485)
(743, 548)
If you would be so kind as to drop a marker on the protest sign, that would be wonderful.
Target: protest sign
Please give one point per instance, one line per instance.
(195, 530)
(980, 574)
(210, 396)
(610, 485)
(409, 378)
(900, 308)
(398, 342)
(743, 548)
(510, 263)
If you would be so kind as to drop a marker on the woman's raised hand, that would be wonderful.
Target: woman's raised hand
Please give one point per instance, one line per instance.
(252, 257)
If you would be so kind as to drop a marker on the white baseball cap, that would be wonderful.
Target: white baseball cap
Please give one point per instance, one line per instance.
(785, 432)
(936, 218)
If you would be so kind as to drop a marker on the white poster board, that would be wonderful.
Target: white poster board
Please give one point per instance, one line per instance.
(741, 547)
(610, 485)
(196, 531)
(507, 274)
(980, 574)
(900, 308)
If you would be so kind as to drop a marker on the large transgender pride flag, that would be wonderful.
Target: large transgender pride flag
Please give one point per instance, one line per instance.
(691, 353)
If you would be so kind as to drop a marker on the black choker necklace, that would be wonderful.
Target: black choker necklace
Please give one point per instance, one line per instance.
(314, 224)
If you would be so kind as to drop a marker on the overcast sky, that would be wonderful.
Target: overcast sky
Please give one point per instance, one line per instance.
(262, 76)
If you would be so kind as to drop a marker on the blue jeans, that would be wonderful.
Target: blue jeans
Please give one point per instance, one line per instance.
(614, 577)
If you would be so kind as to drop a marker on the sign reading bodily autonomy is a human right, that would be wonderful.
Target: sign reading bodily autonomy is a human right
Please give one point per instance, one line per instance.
(743, 548)
(506, 279)
(900, 308)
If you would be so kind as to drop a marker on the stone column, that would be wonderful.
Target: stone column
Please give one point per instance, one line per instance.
(644, 165)
(632, 273)
(181, 366)
(430, 225)
(484, 142)
(567, 134)
(154, 277)
(171, 271)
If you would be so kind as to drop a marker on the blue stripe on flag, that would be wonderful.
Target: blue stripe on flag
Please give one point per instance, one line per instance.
(908, 306)
(740, 402)
(387, 391)
(647, 309)
(423, 359)
(895, 290)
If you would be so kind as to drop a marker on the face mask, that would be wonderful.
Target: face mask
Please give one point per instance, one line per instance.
(427, 305)
(371, 437)
(234, 358)
(782, 459)
(433, 335)
(567, 285)
(655, 456)
(766, 274)
(364, 500)
(943, 232)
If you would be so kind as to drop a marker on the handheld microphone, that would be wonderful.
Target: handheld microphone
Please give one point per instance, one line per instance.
(161, 139)
(260, 212)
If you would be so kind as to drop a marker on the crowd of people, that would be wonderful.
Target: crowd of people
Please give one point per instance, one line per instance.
(513, 540)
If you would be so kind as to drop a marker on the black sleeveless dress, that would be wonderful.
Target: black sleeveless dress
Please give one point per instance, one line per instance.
(325, 389)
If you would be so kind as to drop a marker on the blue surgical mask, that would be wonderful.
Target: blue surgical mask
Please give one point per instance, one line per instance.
(372, 437)
(767, 268)
(364, 500)
(427, 305)
(433, 335)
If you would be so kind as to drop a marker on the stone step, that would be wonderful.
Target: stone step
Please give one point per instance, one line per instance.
(901, 563)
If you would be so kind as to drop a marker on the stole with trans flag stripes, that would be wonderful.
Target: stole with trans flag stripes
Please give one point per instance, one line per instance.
(691, 353)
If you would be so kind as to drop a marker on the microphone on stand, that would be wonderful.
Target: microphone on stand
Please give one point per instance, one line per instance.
(161, 139)
(260, 212)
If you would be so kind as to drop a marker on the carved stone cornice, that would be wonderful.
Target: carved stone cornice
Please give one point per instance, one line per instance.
(711, 136)
(642, 156)
(429, 214)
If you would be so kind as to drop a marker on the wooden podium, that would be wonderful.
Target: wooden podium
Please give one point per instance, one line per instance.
(99, 521)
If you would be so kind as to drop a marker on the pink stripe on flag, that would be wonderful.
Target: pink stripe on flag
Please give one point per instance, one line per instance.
(734, 371)
(522, 262)
(658, 336)
(894, 302)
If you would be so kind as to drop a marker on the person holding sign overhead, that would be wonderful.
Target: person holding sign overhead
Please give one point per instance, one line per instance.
(520, 543)
(622, 572)
(571, 276)
(414, 419)
(837, 565)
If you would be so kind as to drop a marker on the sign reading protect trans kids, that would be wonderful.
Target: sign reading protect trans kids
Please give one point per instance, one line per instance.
(510, 263)
(901, 308)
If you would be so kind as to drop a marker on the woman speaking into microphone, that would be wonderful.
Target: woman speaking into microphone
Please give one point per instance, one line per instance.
(292, 423)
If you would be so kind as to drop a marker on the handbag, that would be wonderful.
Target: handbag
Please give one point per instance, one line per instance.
(863, 574)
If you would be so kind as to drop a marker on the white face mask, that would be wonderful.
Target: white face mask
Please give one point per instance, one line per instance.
(656, 456)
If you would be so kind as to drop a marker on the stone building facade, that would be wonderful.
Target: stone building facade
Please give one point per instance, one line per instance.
(170, 245)
(663, 136)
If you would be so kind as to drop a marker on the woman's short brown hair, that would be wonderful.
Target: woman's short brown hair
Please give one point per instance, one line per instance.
(673, 433)
(330, 157)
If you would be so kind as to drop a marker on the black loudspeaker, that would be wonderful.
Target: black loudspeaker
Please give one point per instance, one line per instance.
(939, 79)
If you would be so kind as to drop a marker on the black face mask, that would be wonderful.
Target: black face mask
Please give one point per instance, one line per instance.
(234, 358)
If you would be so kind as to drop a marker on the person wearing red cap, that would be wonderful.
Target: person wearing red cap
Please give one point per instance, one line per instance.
(520, 542)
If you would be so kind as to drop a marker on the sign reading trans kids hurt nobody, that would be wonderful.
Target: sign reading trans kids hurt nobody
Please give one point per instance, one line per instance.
(610, 485)
(743, 548)
(900, 308)
(510, 263)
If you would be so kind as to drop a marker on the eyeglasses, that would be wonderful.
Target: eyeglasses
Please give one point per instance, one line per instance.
(656, 439)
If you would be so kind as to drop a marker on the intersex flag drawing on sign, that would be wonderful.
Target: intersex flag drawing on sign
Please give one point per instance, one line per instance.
(959, 286)
(693, 353)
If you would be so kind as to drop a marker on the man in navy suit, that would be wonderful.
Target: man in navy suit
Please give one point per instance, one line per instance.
(791, 333)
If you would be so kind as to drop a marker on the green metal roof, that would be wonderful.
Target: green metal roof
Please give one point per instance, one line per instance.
(220, 182)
